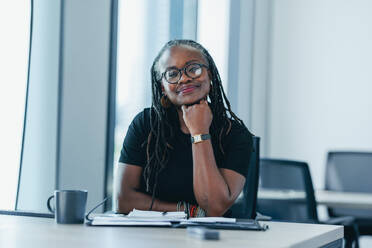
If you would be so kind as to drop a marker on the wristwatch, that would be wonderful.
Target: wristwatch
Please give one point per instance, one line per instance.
(199, 138)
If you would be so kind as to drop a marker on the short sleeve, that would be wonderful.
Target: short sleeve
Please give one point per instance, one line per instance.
(238, 149)
(134, 145)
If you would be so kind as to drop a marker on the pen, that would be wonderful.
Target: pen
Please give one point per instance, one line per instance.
(164, 213)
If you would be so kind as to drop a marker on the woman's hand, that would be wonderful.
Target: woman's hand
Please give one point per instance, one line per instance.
(197, 117)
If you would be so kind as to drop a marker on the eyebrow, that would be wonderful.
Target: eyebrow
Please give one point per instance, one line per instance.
(186, 64)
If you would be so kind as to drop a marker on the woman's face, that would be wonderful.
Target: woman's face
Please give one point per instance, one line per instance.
(187, 90)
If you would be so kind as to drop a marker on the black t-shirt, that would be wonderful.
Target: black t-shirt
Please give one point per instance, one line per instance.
(175, 182)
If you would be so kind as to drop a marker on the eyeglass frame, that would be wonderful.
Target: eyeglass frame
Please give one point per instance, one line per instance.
(182, 71)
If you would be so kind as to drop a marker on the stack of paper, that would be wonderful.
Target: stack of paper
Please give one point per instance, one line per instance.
(154, 218)
(173, 219)
(156, 215)
(139, 218)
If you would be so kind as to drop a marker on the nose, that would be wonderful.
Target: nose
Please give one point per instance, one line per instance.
(184, 78)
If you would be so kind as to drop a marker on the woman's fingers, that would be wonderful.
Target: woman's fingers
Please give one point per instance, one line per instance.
(203, 101)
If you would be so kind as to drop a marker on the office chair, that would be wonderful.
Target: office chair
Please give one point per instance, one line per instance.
(245, 206)
(294, 175)
(350, 172)
(287, 175)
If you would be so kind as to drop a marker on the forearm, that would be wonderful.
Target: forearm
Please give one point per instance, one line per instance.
(211, 190)
(131, 198)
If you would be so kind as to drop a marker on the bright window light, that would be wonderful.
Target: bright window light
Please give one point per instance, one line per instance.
(14, 50)
(143, 29)
(213, 33)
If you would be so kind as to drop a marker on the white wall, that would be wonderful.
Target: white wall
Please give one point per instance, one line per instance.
(320, 80)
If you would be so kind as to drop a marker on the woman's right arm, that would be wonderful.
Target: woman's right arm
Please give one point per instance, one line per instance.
(130, 197)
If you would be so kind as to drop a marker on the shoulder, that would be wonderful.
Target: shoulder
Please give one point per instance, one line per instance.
(143, 115)
(238, 129)
(238, 134)
(141, 121)
(238, 147)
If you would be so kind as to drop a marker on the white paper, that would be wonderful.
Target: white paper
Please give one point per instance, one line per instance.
(107, 222)
(210, 220)
(141, 214)
(139, 217)
(154, 218)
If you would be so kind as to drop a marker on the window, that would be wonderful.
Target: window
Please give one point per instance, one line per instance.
(14, 50)
(144, 27)
(213, 33)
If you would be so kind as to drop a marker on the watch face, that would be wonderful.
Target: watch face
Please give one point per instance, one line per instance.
(200, 137)
(197, 138)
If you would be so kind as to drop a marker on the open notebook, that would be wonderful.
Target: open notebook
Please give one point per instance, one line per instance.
(172, 219)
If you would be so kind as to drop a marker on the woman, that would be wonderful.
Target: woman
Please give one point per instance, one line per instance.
(184, 153)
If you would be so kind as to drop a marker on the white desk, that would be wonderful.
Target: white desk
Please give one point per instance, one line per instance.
(17, 231)
(323, 197)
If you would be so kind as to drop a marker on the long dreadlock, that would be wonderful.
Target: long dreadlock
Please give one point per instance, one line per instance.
(162, 129)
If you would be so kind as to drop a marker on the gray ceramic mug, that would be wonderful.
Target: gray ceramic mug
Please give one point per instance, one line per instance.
(69, 206)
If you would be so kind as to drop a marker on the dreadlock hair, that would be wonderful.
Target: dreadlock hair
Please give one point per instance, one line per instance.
(162, 128)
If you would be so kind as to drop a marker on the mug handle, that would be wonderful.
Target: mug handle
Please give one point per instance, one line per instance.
(48, 204)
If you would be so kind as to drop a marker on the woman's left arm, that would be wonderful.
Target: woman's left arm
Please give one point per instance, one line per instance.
(215, 189)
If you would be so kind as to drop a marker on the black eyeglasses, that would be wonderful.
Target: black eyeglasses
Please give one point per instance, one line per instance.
(193, 71)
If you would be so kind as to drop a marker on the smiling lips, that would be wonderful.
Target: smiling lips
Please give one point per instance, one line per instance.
(187, 89)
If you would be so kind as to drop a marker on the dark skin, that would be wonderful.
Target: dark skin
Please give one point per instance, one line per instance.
(215, 189)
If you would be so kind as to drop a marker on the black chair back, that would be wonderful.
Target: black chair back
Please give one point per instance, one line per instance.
(350, 172)
(245, 207)
(287, 175)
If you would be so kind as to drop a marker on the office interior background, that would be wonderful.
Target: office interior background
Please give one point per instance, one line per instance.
(73, 74)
